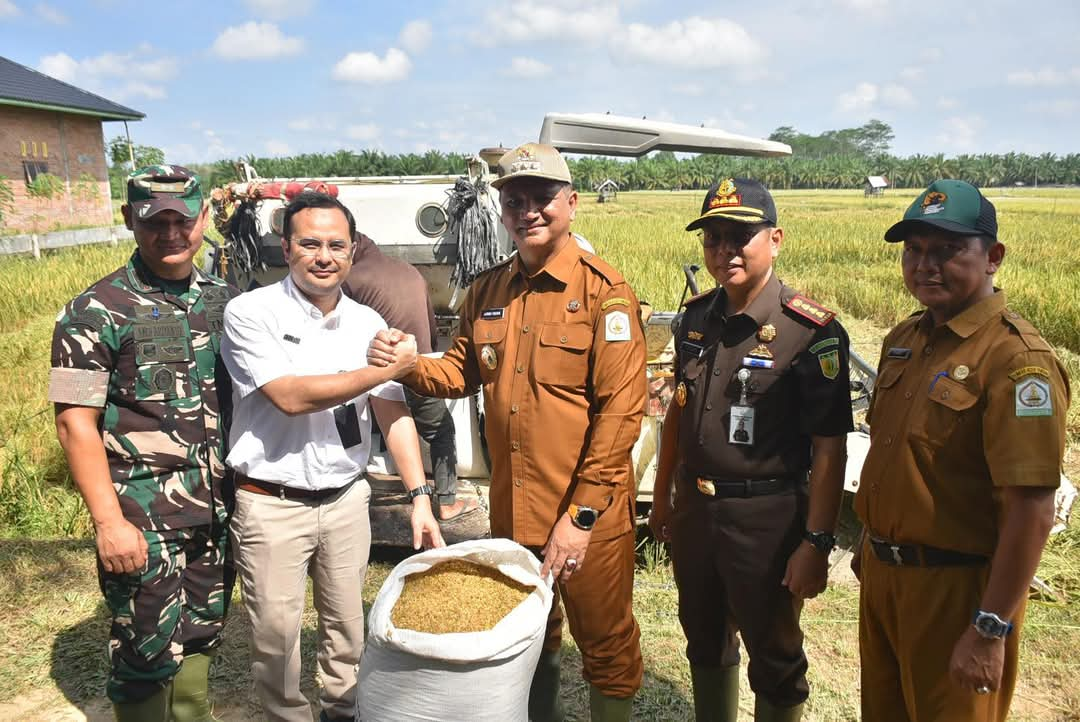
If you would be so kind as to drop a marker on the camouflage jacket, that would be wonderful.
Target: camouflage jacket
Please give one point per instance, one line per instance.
(152, 361)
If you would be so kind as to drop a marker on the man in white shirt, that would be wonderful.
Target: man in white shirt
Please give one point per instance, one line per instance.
(300, 438)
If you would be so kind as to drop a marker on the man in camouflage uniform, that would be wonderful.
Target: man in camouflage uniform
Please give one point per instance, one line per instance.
(136, 381)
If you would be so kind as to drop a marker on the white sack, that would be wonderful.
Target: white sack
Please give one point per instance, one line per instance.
(468, 677)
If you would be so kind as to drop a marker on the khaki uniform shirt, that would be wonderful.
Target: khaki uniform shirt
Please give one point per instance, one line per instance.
(959, 411)
(803, 392)
(561, 358)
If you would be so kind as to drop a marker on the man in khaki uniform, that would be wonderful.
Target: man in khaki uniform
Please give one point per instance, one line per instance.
(554, 337)
(967, 432)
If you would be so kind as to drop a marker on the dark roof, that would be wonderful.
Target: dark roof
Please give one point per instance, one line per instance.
(20, 85)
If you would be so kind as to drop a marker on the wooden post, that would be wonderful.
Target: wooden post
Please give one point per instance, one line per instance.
(131, 149)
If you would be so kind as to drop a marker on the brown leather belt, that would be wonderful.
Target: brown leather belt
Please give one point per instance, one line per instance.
(269, 488)
(920, 555)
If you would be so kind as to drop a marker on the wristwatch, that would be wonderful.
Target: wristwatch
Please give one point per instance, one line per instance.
(583, 517)
(991, 626)
(421, 490)
(823, 541)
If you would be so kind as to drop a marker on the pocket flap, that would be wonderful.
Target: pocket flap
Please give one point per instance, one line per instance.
(889, 375)
(489, 330)
(574, 336)
(953, 394)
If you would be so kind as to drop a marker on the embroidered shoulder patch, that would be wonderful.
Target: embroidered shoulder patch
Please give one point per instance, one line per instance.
(79, 387)
(614, 302)
(617, 326)
(1029, 371)
(1033, 397)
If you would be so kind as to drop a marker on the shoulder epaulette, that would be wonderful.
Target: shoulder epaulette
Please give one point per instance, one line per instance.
(504, 263)
(603, 268)
(1028, 333)
(700, 296)
(810, 310)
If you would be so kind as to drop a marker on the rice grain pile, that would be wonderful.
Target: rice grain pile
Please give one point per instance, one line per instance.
(456, 596)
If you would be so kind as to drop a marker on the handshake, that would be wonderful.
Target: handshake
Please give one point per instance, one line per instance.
(393, 350)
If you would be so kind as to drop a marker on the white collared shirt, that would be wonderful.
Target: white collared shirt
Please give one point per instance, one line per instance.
(275, 331)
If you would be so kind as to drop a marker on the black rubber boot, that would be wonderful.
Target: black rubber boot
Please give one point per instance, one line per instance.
(716, 693)
(545, 704)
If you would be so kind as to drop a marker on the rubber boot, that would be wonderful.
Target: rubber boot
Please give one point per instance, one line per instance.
(765, 711)
(716, 693)
(190, 702)
(545, 704)
(154, 708)
(609, 709)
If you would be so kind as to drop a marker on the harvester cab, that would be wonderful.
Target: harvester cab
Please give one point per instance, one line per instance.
(448, 228)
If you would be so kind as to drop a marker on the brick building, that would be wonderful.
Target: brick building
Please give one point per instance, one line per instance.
(48, 126)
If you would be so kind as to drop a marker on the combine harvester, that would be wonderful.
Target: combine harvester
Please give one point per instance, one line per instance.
(448, 228)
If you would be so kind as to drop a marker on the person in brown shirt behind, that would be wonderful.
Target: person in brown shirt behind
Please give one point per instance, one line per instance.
(554, 337)
(394, 288)
(967, 434)
(762, 399)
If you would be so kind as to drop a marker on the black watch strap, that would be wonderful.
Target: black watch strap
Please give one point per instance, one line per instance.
(423, 489)
(823, 541)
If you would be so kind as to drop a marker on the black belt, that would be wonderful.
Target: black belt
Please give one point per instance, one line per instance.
(920, 555)
(269, 488)
(743, 488)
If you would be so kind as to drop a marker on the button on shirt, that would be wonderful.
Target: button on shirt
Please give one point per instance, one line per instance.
(952, 420)
(273, 332)
(560, 354)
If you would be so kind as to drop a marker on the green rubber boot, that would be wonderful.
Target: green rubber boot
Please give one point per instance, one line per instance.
(608, 709)
(765, 711)
(544, 702)
(716, 693)
(154, 708)
(190, 702)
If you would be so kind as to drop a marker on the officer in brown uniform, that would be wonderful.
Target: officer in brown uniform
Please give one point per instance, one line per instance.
(761, 400)
(554, 338)
(967, 434)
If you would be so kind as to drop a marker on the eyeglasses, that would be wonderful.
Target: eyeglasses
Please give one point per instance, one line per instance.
(736, 237)
(312, 247)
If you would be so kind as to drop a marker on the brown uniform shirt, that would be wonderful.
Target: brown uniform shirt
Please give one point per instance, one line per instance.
(804, 393)
(394, 289)
(958, 411)
(561, 358)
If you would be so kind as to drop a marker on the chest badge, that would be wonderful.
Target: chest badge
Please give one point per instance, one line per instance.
(573, 306)
(760, 351)
(695, 335)
(680, 394)
(488, 357)
(767, 333)
(961, 372)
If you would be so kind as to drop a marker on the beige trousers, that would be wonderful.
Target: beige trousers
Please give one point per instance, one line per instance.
(278, 543)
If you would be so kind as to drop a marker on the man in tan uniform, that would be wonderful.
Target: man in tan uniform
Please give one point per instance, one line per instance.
(554, 337)
(967, 432)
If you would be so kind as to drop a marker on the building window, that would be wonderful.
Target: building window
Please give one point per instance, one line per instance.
(32, 169)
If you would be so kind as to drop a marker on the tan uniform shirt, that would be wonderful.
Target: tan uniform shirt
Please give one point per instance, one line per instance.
(561, 358)
(958, 411)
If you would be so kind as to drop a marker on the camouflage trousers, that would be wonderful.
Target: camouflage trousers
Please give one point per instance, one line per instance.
(175, 606)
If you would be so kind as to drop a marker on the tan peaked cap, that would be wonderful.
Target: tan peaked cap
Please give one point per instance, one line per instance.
(532, 160)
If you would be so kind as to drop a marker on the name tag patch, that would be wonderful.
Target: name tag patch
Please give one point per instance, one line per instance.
(291, 339)
(617, 326)
(1033, 397)
(896, 352)
(490, 314)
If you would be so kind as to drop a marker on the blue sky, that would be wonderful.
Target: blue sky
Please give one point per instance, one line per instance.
(279, 77)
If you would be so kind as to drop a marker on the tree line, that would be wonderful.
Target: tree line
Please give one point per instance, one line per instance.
(834, 159)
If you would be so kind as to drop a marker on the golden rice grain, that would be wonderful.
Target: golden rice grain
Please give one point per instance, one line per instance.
(456, 596)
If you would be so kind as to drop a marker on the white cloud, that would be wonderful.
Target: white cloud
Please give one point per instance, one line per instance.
(690, 43)
(911, 74)
(8, 9)
(415, 36)
(321, 123)
(50, 14)
(865, 7)
(255, 41)
(945, 103)
(564, 20)
(527, 68)
(930, 55)
(1063, 107)
(866, 96)
(1045, 77)
(109, 74)
(278, 147)
(368, 67)
(277, 9)
(365, 132)
(959, 133)
(694, 90)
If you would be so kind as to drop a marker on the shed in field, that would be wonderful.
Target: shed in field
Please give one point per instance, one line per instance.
(49, 126)
(875, 185)
(607, 191)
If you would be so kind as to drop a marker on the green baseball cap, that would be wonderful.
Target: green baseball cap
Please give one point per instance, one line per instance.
(156, 188)
(532, 160)
(951, 205)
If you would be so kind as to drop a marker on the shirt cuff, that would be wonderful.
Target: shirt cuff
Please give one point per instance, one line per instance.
(593, 495)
